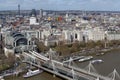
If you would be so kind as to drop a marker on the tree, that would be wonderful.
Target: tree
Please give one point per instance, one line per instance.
(100, 44)
(41, 47)
(11, 59)
(63, 49)
(5, 62)
(75, 47)
(82, 44)
(90, 44)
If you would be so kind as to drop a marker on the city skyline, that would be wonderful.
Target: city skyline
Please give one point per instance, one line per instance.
(100, 5)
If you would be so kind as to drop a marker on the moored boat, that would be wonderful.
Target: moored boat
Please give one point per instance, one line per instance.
(85, 58)
(96, 61)
(1, 78)
(100, 54)
(32, 73)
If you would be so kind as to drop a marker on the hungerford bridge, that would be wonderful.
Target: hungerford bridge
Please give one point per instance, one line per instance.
(65, 71)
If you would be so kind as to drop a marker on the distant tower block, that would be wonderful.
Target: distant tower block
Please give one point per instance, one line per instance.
(41, 13)
(67, 16)
(19, 9)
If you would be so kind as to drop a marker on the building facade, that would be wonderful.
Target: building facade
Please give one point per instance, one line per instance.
(113, 35)
(72, 35)
(94, 35)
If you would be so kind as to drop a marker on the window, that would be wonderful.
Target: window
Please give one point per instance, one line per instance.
(76, 36)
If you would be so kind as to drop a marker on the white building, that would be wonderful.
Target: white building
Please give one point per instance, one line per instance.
(94, 34)
(45, 34)
(39, 34)
(72, 35)
(41, 13)
(78, 35)
(32, 33)
(112, 35)
(33, 21)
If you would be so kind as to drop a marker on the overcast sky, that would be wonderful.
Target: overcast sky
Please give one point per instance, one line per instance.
(109, 5)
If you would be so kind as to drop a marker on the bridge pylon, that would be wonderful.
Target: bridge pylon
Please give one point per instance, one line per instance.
(90, 68)
(114, 75)
(97, 78)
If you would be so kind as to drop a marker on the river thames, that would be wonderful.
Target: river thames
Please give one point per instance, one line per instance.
(111, 62)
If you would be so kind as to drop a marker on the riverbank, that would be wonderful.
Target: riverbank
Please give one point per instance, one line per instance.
(98, 52)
